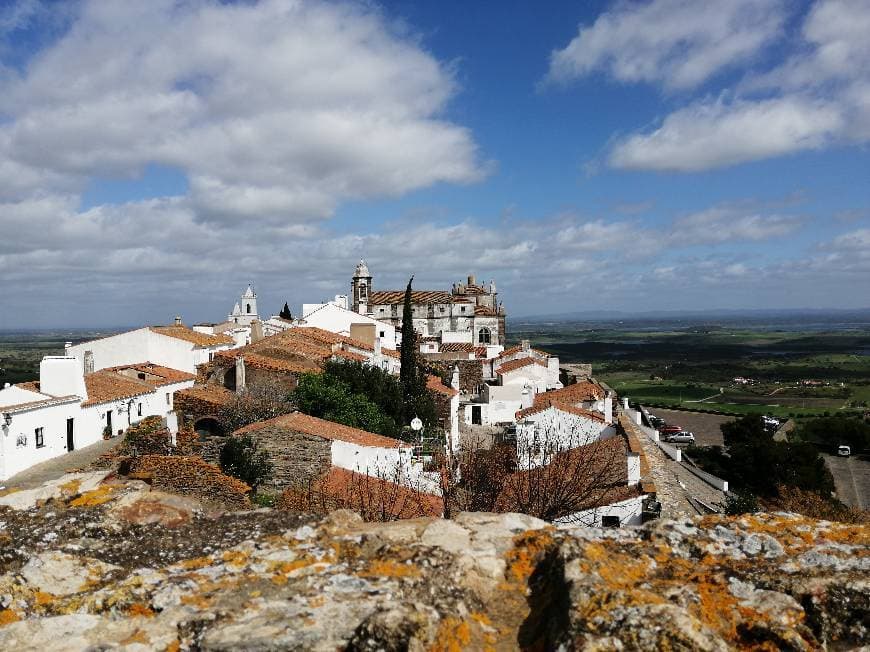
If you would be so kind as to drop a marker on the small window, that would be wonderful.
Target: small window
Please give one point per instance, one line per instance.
(168, 398)
(609, 521)
(484, 336)
(139, 410)
(462, 308)
(248, 308)
(382, 334)
(40, 437)
(210, 356)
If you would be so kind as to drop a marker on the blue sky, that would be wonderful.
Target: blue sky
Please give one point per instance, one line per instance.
(665, 154)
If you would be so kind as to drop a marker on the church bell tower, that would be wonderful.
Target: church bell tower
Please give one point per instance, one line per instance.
(361, 288)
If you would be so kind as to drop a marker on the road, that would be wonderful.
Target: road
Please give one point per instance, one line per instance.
(852, 480)
(57, 466)
(705, 426)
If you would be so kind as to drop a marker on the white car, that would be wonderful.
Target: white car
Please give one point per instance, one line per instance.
(844, 451)
(682, 437)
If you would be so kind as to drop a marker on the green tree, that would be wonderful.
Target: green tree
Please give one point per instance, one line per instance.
(745, 430)
(285, 312)
(327, 397)
(378, 386)
(416, 400)
(240, 458)
(830, 432)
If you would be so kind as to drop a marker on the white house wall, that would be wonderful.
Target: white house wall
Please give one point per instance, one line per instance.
(629, 512)
(559, 429)
(370, 460)
(18, 449)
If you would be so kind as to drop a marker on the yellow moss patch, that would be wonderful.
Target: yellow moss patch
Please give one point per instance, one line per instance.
(317, 601)
(175, 646)
(7, 617)
(98, 496)
(453, 635)
(6, 492)
(195, 601)
(70, 488)
(278, 580)
(388, 568)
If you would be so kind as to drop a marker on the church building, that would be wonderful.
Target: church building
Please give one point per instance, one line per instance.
(467, 314)
(245, 310)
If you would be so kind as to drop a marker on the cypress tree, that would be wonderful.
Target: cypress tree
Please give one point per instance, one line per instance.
(408, 357)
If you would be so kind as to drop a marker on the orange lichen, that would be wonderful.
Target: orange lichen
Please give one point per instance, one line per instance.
(196, 563)
(317, 601)
(139, 609)
(98, 496)
(41, 598)
(196, 601)
(70, 488)
(527, 551)
(388, 568)
(278, 580)
(175, 646)
(235, 557)
(137, 636)
(453, 635)
(7, 617)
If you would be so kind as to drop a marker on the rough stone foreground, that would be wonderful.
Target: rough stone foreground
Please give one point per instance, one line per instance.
(117, 566)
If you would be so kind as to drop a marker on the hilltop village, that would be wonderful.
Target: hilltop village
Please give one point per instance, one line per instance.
(509, 430)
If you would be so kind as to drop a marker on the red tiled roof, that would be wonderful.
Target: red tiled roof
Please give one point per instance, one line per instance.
(30, 385)
(350, 355)
(513, 365)
(391, 297)
(190, 335)
(104, 386)
(545, 404)
(519, 349)
(392, 353)
(328, 337)
(485, 311)
(577, 393)
(214, 394)
(299, 422)
(164, 375)
(436, 385)
(366, 493)
(296, 365)
(457, 347)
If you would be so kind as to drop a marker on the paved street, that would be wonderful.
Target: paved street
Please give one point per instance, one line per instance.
(54, 468)
(852, 480)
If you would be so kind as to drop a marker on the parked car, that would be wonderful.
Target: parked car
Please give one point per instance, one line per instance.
(682, 437)
(844, 451)
(670, 430)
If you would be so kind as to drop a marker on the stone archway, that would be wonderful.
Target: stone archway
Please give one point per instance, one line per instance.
(208, 427)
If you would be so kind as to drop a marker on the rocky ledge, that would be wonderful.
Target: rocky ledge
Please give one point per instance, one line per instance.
(88, 563)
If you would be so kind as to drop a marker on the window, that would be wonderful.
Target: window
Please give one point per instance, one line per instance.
(248, 308)
(363, 292)
(462, 308)
(40, 437)
(139, 410)
(609, 521)
(484, 336)
(168, 398)
(381, 334)
(210, 356)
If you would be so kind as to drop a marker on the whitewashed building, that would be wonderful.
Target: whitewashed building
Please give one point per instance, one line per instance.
(176, 347)
(338, 319)
(67, 409)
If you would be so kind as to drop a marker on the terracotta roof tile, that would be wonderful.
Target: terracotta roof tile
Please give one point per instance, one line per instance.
(214, 394)
(299, 422)
(155, 374)
(546, 404)
(359, 491)
(190, 335)
(392, 353)
(436, 385)
(328, 337)
(104, 386)
(485, 311)
(577, 393)
(457, 347)
(392, 297)
(350, 355)
(519, 349)
(513, 365)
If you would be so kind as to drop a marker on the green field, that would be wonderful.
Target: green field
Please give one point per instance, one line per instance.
(21, 352)
(796, 369)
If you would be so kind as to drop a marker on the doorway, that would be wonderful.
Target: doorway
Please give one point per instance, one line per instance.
(476, 415)
(109, 423)
(70, 435)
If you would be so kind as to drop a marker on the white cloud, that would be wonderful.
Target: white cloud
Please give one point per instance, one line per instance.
(817, 98)
(278, 109)
(678, 43)
(727, 223)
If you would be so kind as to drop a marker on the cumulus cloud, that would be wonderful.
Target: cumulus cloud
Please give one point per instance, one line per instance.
(678, 43)
(818, 97)
(277, 109)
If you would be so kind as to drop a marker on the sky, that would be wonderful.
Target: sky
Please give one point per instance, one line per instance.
(157, 157)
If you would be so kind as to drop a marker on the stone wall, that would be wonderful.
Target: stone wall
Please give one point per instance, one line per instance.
(470, 372)
(477, 582)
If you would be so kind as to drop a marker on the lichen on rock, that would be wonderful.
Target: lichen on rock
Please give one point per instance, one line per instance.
(141, 569)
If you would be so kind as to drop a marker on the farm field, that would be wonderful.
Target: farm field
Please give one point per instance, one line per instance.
(792, 367)
(21, 351)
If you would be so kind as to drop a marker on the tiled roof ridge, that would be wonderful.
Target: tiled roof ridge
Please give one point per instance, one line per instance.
(326, 429)
(546, 404)
(513, 365)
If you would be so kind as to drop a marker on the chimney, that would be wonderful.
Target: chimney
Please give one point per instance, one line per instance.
(61, 376)
(471, 279)
(240, 374)
(178, 320)
(608, 407)
(525, 345)
(527, 399)
(377, 347)
(88, 362)
(256, 331)
(454, 378)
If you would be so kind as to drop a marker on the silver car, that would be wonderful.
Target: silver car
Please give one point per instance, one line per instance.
(683, 437)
